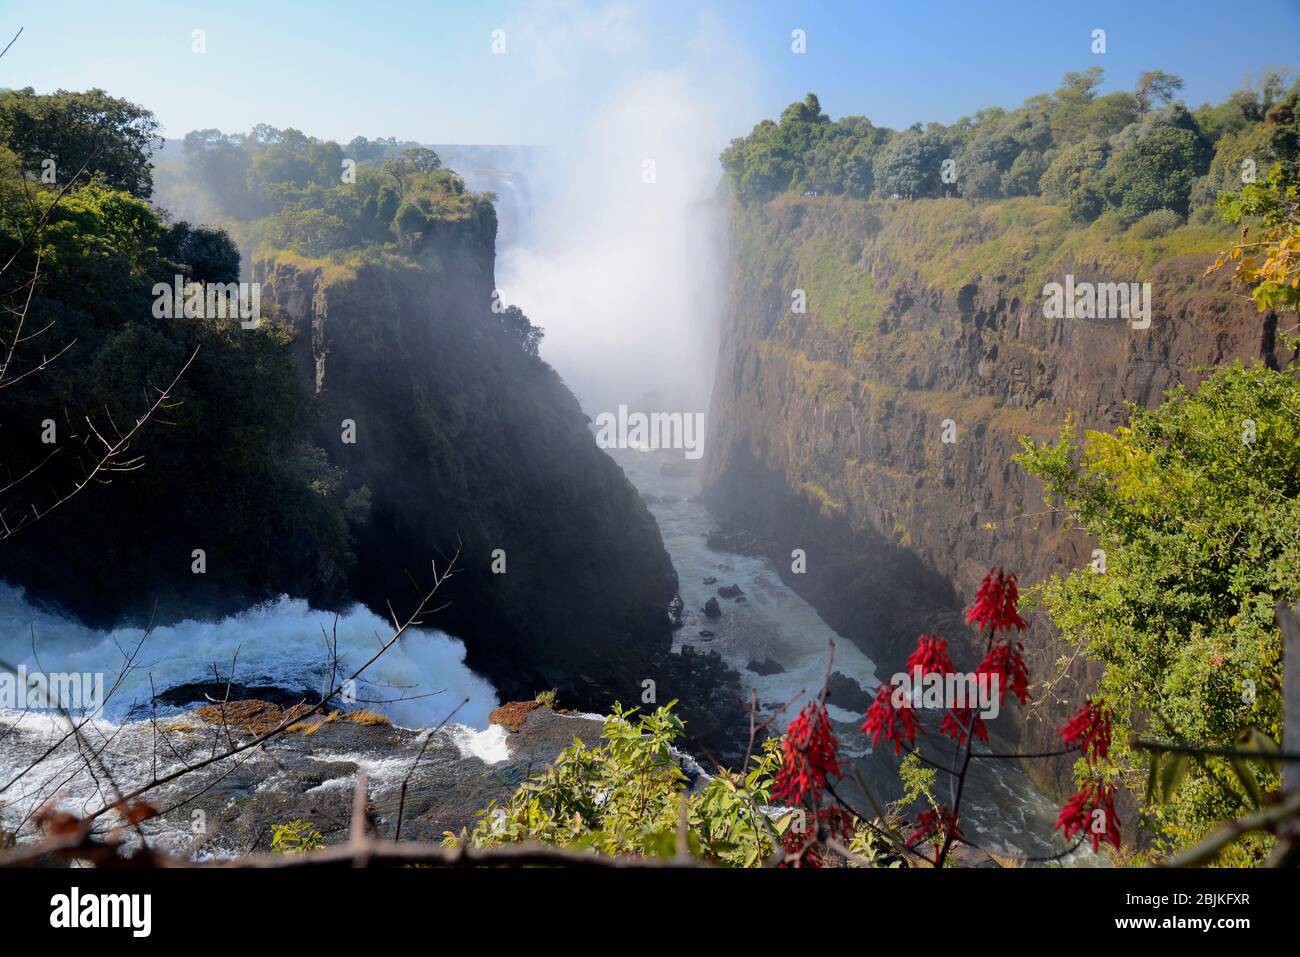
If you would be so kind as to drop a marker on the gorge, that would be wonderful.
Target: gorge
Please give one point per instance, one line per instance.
(744, 555)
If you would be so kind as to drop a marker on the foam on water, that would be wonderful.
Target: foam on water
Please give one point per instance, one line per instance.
(488, 745)
(281, 643)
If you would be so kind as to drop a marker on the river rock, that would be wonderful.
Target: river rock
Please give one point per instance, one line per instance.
(675, 609)
(735, 540)
(712, 609)
(844, 692)
(768, 666)
(730, 591)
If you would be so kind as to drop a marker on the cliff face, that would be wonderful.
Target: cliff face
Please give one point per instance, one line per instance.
(467, 444)
(828, 426)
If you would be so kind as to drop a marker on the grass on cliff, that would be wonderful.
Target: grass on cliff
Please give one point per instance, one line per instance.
(851, 255)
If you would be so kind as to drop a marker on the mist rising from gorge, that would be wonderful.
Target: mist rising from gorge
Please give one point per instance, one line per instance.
(621, 261)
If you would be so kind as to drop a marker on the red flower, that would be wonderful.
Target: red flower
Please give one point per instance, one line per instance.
(940, 824)
(804, 849)
(1005, 661)
(956, 722)
(1089, 730)
(810, 748)
(896, 724)
(1093, 808)
(995, 605)
(931, 655)
(800, 850)
(836, 822)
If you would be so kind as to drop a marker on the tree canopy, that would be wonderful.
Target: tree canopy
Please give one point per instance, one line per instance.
(1134, 152)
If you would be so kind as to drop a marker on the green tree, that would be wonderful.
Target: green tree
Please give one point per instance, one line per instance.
(625, 796)
(1196, 506)
(1156, 172)
(113, 138)
(1024, 175)
(908, 166)
(1073, 166)
(210, 254)
(1156, 86)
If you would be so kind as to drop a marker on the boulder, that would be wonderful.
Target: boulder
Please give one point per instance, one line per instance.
(768, 666)
(844, 692)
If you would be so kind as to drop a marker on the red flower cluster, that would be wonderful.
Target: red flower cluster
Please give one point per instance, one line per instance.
(942, 824)
(1089, 730)
(1004, 660)
(995, 605)
(1093, 808)
(896, 724)
(931, 655)
(957, 722)
(810, 748)
(804, 849)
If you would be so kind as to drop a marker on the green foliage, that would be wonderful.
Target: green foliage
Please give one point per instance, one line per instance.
(1073, 167)
(1136, 152)
(547, 698)
(1269, 264)
(519, 329)
(1156, 172)
(1026, 171)
(908, 166)
(1085, 204)
(228, 467)
(113, 137)
(209, 253)
(284, 190)
(295, 837)
(1156, 224)
(1197, 507)
(625, 797)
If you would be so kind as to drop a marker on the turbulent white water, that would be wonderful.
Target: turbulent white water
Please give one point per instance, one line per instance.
(282, 643)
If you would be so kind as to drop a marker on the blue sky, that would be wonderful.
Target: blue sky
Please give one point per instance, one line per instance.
(425, 70)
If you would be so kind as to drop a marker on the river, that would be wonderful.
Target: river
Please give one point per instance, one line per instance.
(1001, 808)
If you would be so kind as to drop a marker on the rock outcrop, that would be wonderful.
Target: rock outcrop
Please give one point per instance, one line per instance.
(460, 444)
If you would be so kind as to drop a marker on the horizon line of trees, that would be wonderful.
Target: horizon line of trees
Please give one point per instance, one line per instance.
(1136, 151)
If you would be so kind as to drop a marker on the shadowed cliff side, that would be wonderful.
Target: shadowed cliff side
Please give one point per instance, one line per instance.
(464, 441)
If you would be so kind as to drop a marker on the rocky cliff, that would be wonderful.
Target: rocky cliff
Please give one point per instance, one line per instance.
(874, 429)
(463, 443)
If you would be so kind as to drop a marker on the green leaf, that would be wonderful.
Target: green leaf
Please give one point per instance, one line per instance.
(1247, 778)
(1174, 771)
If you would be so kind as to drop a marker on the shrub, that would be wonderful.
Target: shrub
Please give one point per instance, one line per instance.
(1196, 506)
(296, 837)
(1156, 224)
